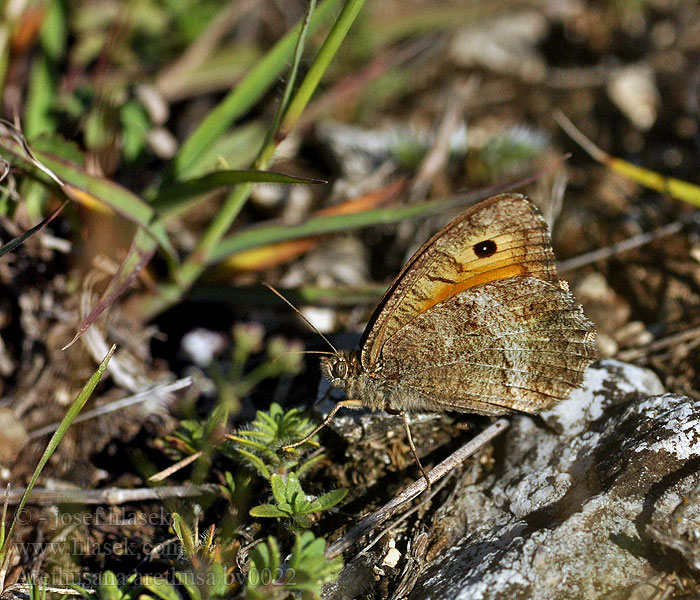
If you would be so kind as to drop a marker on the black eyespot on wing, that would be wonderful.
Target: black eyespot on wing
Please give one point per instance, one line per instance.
(485, 248)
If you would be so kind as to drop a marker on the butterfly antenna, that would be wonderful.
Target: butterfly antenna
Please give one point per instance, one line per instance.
(296, 310)
(280, 356)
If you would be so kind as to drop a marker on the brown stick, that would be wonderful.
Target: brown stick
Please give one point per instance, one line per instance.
(622, 246)
(46, 497)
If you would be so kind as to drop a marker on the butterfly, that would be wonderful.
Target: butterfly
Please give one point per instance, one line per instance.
(477, 321)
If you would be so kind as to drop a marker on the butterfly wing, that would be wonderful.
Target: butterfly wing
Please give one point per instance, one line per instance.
(499, 238)
(513, 344)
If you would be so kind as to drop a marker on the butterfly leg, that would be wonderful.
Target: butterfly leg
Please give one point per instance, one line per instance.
(329, 416)
(404, 417)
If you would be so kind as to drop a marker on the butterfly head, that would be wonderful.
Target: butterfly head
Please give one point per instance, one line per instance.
(341, 367)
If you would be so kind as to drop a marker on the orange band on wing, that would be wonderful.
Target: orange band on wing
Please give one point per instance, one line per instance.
(448, 290)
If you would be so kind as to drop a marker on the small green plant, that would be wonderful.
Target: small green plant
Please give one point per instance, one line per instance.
(108, 588)
(211, 565)
(207, 548)
(292, 502)
(36, 591)
(194, 436)
(304, 575)
(258, 444)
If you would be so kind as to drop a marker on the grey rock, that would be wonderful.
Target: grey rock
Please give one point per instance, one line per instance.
(590, 501)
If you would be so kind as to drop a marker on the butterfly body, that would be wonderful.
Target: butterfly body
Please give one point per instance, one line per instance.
(374, 391)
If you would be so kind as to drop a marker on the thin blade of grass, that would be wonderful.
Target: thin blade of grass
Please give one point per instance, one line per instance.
(192, 268)
(284, 102)
(324, 224)
(320, 225)
(675, 188)
(264, 257)
(321, 62)
(55, 440)
(243, 97)
(12, 244)
(172, 195)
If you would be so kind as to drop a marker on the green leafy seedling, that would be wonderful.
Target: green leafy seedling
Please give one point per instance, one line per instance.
(304, 575)
(308, 568)
(211, 562)
(258, 445)
(292, 502)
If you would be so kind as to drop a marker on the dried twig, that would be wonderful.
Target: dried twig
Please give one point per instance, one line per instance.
(47, 497)
(174, 468)
(157, 391)
(405, 515)
(628, 244)
(692, 334)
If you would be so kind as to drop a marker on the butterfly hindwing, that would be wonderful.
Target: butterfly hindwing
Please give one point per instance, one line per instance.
(520, 344)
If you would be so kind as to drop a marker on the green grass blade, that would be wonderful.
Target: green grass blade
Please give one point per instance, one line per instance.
(321, 62)
(235, 201)
(324, 224)
(192, 268)
(289, 88)
(55, 440)
(172, 195)
(243, 97)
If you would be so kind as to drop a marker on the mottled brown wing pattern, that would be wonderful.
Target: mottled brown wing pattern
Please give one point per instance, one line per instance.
(516, 344)
(499, 238)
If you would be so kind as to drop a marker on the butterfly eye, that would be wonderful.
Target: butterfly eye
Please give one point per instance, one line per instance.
(340, 369)
(485, 249)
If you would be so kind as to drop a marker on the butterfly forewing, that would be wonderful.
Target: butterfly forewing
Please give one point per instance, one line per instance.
(497, 239)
